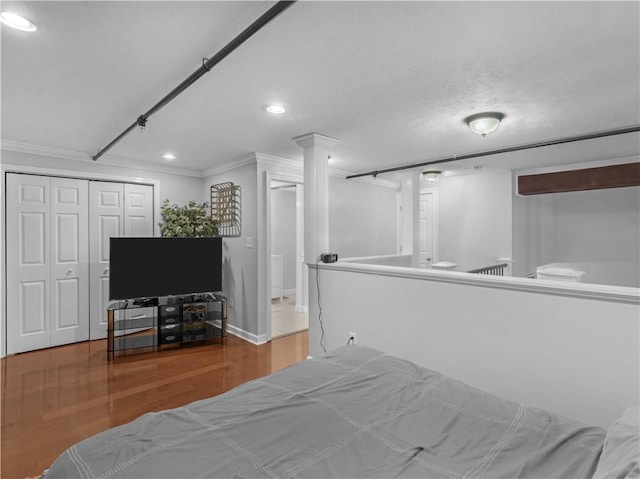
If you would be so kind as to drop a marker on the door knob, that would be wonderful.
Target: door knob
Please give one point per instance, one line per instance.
(70, 270)
(106, 271)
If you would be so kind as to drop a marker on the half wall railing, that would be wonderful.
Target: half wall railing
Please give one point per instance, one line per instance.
(496, 269)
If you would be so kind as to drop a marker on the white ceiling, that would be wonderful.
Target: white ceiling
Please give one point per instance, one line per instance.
(391, 80)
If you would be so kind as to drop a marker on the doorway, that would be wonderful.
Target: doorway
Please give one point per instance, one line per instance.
(428, 247)
(288, 287)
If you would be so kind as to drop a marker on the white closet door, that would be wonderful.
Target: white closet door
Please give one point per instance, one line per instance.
(69, 261)
(28, 263)
(116, 209)
(58, 232)
(138, 210)
(106, 219)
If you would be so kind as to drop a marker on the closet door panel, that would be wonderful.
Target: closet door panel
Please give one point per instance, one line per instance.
(138, 210)
(28, 262)
(70, 265)
(106, 220)
(33, 237)
(109, 226)
(33, 314)
(67, 311)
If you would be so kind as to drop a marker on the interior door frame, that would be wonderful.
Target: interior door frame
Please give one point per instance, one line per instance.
(434, 196)
(59, 173)
(297, 180)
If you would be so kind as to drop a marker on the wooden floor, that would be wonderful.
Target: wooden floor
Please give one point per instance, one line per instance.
(53, 398)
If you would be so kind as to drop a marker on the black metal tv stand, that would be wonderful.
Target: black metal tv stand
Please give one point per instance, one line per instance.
(156, 322)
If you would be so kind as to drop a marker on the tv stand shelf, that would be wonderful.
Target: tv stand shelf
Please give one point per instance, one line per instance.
(135, 324)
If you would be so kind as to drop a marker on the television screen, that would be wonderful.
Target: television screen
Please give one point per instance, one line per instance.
(154, 267)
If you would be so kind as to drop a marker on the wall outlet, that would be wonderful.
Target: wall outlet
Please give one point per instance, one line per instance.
(231, 302)
(353, 338)
(249, 242)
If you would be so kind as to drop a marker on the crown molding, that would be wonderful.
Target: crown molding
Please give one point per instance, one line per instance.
(230, 165)
(272, 161)
(39, 150)
(280, 162)
(253, 158)
(148, 166)
(109, 160)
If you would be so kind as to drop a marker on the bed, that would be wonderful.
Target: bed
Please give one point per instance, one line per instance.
(354, 412)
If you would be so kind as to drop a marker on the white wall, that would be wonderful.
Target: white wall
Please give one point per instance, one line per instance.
(283, 232)
(475, 219)
(247, 269)
(599, 230)
(240, 262)
(362, 218)
(565, 352)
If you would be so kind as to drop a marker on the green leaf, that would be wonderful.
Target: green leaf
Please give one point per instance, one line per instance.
(191, 219)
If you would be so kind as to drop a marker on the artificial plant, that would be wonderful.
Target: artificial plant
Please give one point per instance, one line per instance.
(190, 220)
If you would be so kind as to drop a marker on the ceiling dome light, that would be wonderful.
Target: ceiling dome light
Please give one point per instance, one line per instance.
(431, 175)
(16, 21)
(275, 109)
(484, 123)
(169, 156)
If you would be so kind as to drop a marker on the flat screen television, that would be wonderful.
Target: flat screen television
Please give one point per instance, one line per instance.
(154, 267)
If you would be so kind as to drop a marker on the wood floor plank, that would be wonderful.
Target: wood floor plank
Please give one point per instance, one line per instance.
(55, 397)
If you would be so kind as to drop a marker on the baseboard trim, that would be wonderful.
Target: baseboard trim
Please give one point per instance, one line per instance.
(247, 336)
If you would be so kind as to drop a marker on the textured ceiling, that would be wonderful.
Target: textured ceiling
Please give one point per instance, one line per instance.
(391, 80)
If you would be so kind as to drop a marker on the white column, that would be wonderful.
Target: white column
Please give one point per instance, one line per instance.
(316, 149)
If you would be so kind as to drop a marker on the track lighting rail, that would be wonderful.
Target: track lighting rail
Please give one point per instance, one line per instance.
(589, 136)
(207, 65)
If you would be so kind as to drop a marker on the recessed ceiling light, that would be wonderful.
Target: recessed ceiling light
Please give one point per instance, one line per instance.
(169, 156)
(16, 21)
(275, 109)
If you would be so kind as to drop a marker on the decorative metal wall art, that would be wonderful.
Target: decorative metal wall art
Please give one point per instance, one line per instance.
(226, 208)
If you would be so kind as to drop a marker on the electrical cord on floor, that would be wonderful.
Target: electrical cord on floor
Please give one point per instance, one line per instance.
(320, 308)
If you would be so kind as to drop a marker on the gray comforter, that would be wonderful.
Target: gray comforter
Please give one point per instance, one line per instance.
(352, 413)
